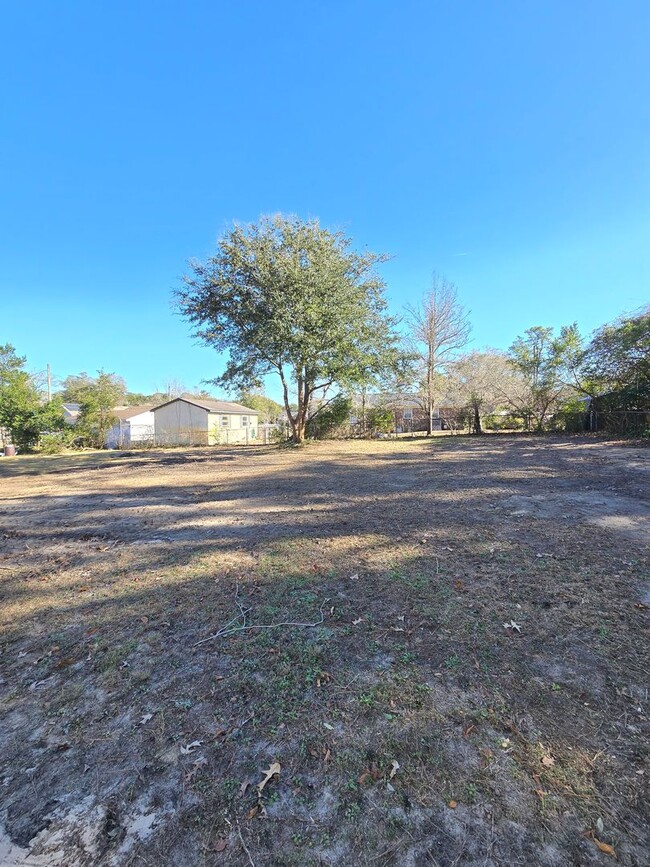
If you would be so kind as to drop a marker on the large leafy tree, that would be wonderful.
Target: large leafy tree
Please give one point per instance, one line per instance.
(97, 396)
(289, 297)
(546, 365)
(24, 413)
(616, 363)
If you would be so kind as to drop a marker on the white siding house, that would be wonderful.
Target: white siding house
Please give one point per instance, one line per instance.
(187, 420)
(71, 412)
(135, 425)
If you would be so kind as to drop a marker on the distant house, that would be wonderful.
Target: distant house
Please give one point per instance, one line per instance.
(408, 412)
(189, 420)
(135, 424)
(71, 412)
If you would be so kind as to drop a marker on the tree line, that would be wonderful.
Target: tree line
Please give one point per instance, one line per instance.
(293, 299)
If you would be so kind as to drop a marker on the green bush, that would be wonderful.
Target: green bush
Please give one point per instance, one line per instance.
(502, 422)
(331, 420)
(380, 419)
(56, 442)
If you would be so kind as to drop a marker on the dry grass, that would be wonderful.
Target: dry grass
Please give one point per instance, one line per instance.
(114, 567)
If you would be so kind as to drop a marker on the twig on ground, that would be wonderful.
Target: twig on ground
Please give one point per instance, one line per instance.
(241, 840)
(229, 629)
(350, 682)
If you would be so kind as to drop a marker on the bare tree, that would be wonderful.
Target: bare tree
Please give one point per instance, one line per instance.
(439, 329)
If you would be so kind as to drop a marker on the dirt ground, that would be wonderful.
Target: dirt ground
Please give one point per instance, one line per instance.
(460, 677)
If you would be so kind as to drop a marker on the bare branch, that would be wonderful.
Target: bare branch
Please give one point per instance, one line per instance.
(229, 629)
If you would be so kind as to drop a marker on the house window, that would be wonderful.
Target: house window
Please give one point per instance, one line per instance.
(408, 415)
(244, 421)
(225, 422)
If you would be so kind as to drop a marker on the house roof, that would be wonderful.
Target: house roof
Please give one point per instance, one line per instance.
(126, 412)
(404, 400)
(71, 411)
(224, 406)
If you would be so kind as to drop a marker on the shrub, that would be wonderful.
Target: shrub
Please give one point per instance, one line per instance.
(331, 420)
(379, 419)
(56, 442)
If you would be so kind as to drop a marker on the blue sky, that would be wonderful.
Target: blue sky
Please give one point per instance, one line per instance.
(505, 144)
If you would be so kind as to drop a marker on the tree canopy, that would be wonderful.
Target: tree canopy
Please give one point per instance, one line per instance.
(546, 365)
(617, 361)
(23, 410)
(289, 297)
(97, 396)
(271, 412)
(481, 380)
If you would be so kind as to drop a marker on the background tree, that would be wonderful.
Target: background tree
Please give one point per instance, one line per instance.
(139, 398)
(97, 396)
(546, 365)
(332, 418)
(10, 363)
(24, 412)
(439, 329)
(480, 380)
(290, 297)
(270, 411)
(617, 363)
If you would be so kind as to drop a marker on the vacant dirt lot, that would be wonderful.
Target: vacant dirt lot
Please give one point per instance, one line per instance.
(467, 685)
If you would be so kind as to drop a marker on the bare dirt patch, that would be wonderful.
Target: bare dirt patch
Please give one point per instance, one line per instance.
(475, 694)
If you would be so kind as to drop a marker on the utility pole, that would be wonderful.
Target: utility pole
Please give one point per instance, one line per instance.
(49, 385)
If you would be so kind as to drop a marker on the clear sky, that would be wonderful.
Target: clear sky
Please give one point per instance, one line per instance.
(505, 144)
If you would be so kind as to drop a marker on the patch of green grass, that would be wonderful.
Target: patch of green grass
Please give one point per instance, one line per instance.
(116, 655)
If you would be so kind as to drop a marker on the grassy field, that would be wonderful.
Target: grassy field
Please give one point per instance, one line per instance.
(385, 653)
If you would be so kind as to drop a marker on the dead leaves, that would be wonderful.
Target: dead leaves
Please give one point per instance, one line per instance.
(274, 768)
(486, 760)
(325, 753)
(254, 811)
(259, 809)
(201, 762)
(604, 847)
(512, 625)
(373, 773)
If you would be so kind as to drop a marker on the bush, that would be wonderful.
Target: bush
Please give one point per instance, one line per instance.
(56, 442)
(502, 422)
(331, 420)
(380, 419)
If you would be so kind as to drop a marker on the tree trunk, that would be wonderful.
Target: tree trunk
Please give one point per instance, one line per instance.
(287, 408)
(477, 421)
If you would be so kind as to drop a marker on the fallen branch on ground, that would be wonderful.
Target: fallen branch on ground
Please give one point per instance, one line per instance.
(230, 629)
